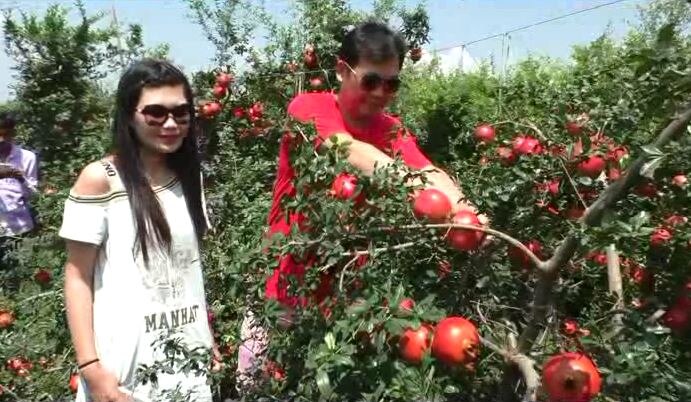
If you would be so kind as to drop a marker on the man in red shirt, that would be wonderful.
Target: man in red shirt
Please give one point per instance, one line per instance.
(370, 59)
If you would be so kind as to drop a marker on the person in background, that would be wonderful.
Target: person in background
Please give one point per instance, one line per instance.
(369, 62)
(18, 181)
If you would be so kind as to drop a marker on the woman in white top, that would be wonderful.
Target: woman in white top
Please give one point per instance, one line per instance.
(133, 222)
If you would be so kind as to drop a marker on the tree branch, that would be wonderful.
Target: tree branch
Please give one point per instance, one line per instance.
(541, 265)
(525, 365)
(614, 283)
(527, 125)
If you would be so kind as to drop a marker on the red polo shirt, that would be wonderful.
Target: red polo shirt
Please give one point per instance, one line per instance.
(321, 108)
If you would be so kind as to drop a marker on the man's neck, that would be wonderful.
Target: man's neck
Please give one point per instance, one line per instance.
(354, 121)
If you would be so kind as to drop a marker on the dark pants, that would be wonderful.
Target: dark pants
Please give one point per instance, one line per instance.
(9, 275)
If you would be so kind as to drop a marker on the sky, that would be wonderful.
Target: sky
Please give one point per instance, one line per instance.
(453, 22)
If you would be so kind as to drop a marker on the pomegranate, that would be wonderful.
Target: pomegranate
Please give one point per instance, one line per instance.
(550, 186)
(591, 167)
(571, 376)
(415, 54)
(598, 257)
(274, 370)
(256, 111)
(224, 80)
(309, 56)
(575, 212)
(678, 317)
(506, 156)
(443, 269)
(74, 382)
(618, 153)
(569, 327)
(415, 343)
(220, 91)
(43, 276)
(211, 109)
(647, 189)
(405, 307)
(558, 150)
(573, 128)
(660, 237)
(526, 145)
(641, 276)
(291, 67)
(344, 187)
(485, 133)
(432, 204)
(456, 342)
(519, 259)
(613, 174)
(238, 112)
(6, 318)
(675, 220)
(680, 180)
(465, 239)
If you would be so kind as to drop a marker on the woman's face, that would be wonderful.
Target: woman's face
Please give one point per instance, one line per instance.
(161, 118)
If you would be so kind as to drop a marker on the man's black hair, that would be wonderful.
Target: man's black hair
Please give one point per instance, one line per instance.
(7, 121)
(374, 42)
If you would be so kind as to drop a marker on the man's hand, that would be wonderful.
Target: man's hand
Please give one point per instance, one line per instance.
(10, 172)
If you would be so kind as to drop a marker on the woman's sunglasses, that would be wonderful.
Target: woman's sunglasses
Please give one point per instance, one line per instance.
(371, 81)
(157, 115)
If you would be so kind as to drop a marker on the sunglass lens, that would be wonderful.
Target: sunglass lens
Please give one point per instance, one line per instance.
(392, 85)
(371, 81)
(181, 111)
(155, 111)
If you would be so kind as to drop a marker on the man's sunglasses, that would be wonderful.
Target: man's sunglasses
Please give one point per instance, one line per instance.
(371, 81)
(157, 115)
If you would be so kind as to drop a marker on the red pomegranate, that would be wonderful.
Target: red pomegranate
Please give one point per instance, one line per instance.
(414, 343)
(456, 342)
(571, 376)
(465, 239)
(526, 145)
(432, 204)
(591, 167)
(484, 133)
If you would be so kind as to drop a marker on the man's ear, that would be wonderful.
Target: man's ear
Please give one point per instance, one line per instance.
(341, 69)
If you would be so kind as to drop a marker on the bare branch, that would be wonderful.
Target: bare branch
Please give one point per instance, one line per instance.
(541, 265)
(527, 125)
(343, 271)
(525, 365)
(368, 252)
(573, 183)
(614, 283)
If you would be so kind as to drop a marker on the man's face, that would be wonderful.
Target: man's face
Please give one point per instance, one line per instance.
(358, 96)
(6, 134)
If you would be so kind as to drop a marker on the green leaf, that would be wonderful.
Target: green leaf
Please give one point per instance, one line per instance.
(330, 341)
(652, 151)
(648, 169)
(323, 383)
(665, 35)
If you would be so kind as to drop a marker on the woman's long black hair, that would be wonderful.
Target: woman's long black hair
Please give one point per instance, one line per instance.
(152, 229)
